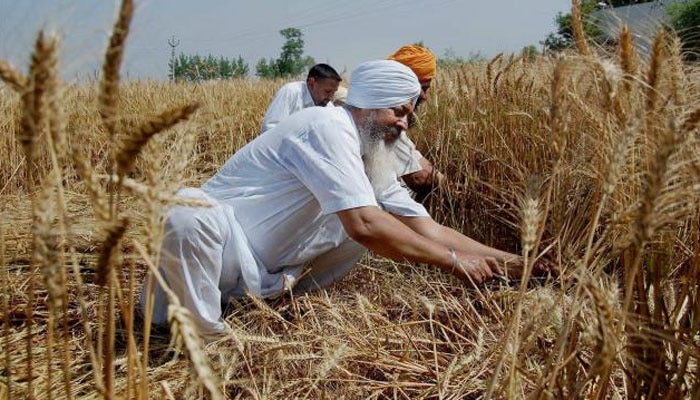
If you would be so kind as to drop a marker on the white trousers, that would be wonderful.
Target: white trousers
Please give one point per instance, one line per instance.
(206, 259)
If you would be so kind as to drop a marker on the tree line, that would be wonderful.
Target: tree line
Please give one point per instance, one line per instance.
(195, 68)
(684, 19)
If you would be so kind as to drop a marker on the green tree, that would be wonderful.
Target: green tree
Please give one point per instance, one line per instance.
(291, 61)
(685, 19)
(265, 69)
(450, 59)
(563, 38)
(529, 52)
(195, 68)
(240, 68)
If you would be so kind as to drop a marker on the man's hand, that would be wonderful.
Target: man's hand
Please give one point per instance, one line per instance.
(541, 267)
(475, 269)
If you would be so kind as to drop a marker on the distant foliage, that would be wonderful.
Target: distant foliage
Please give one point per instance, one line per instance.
(620, 3)
(195, 68)
(450, 59)
(530, 52)
(563, 38)
(291, 61)
(685, 19)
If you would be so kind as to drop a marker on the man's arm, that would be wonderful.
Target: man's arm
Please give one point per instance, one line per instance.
(384, 234)
(512, 263)
(426, 226)
(425, 180)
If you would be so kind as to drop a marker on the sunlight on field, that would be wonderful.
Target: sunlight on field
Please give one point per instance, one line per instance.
(591, 161)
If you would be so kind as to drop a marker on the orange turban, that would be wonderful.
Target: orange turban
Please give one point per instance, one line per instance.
(421, 60)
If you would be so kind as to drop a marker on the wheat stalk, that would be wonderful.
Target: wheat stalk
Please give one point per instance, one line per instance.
(109, 85)
(628, 56)
(109, 256)
(614, 163)
(134, 142)
(95, 191)
(676, 70)
(577, 28)
(12, 77)
(35, 99)
(184, 331)
(55, 277)
(607, 345)
(658, 57)
(489, 66)
(33, 124)
(6, 315)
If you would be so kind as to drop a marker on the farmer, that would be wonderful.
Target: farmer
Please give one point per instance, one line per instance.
(416, 171)
(321, 83)
(297, 207)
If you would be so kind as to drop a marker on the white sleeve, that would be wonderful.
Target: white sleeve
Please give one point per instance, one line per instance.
(281, 106)
(397, 200)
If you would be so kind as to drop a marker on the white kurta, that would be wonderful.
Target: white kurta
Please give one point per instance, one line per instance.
(290, 98)
(273, 218)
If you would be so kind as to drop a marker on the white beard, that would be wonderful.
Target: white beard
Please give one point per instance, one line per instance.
(379, 158)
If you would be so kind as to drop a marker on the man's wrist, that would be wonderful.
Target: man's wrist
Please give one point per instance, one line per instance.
(453, 257)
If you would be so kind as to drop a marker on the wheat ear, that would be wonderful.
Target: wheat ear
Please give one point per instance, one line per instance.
(32, 125)
(109, 85)
(134, 143)
(577, 27)
(12, 77)
(628, 57)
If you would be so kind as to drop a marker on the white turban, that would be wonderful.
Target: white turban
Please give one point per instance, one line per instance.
(382, 84)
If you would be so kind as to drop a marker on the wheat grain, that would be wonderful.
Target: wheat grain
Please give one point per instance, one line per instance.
(12, 77)
(136, 140)
(109, 256)
(577, 28)
(109, 84)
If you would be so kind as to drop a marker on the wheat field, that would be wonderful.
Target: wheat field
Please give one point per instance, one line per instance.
(590, 159)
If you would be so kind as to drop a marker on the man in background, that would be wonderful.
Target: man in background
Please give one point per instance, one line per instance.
(321, 83)
(417, 172)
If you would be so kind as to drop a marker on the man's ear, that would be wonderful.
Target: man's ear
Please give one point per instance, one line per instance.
(310, 81)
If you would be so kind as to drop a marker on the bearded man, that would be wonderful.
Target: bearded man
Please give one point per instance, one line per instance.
(297, 207)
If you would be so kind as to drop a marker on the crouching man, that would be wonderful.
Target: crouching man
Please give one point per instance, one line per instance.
(297, 207)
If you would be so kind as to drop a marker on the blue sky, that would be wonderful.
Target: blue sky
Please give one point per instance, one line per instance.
(341, 33)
